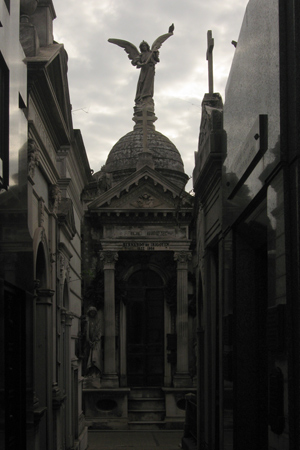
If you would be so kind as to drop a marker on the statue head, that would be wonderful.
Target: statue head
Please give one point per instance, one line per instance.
(144, 46)
(92, 311)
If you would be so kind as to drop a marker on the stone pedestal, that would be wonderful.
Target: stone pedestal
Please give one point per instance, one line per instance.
(106, 409)
(110, 378)
(175, 406)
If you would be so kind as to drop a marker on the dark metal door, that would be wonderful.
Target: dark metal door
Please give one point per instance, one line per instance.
(145, 336)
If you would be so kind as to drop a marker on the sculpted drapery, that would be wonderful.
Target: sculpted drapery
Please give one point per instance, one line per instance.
(145, 60)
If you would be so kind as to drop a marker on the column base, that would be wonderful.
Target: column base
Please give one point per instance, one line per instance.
(110, 380)
(182, 380)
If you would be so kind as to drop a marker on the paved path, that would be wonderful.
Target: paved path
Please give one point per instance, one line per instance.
(135, 440)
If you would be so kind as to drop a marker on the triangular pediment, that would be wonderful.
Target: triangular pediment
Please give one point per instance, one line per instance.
(143, 196)
(146, 189)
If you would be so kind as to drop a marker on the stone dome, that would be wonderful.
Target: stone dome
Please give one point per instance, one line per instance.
(123, 157)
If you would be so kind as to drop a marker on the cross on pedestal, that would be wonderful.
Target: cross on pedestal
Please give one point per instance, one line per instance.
(145, 131)
(145, 157)
(209, 58)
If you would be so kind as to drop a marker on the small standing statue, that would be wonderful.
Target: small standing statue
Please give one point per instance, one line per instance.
(144, 60)
(94, 340)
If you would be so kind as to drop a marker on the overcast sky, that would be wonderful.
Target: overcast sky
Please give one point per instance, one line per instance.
(103, 82)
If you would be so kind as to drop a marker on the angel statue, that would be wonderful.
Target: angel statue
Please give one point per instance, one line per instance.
(144, 60)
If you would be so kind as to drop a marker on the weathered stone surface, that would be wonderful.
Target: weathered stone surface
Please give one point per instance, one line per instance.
(124, 154)
(29, 39)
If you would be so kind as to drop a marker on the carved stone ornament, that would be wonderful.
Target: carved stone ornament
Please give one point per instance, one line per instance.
(57, 397)
(41, 212)
(43, 236)
(63, 268)
(54, 198)
(28, 7)
(146, 201)
(104, 181)
(182, 257)
(109, 257)
(33, 157)
(67, 317)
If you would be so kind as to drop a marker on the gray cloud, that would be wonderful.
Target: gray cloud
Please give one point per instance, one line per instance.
(103, 82)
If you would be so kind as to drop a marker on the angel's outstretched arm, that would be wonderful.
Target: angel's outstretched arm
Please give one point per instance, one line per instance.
(161, 39)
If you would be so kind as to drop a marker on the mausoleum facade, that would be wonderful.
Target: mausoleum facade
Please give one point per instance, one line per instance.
(138, 275)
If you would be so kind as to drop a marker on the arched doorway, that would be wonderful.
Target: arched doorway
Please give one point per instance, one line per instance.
(145, 329)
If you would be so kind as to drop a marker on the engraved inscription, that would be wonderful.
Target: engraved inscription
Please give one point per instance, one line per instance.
(145, 246)
(120, 232)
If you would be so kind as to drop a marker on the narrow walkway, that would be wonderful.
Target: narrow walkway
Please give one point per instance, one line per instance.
(135, 440)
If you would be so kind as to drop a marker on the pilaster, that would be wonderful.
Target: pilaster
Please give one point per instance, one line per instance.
(66, 319)
(182, 377)
(44, 360)
(110, 378)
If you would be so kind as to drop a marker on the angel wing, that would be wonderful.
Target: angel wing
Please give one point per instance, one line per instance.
(129, 48)
(161, 39)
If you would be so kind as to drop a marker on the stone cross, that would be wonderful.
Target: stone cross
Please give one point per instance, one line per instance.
(145, 130)
(209, 58)
(145, 157)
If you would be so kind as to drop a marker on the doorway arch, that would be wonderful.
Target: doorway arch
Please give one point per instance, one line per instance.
(145, 328)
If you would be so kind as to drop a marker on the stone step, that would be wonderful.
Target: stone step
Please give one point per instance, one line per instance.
(143, 404)
(150, 392)
(146, 416)
(150, 425)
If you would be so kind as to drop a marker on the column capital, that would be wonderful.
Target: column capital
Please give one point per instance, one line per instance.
(182, 257)
(45, 292)
(44, 296)
(109, 258)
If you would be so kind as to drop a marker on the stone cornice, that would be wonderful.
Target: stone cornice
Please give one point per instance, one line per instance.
(41, 88)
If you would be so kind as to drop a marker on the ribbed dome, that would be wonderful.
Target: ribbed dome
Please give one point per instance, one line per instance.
(122, 159)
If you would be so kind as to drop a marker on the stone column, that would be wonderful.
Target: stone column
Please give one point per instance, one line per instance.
(123, 345)
(182, 377)
(44, 363)
(110, 378)
(67, 318)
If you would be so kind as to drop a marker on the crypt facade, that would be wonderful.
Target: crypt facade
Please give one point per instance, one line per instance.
(139, 306)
